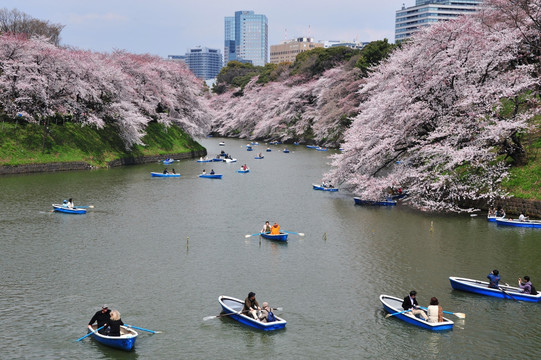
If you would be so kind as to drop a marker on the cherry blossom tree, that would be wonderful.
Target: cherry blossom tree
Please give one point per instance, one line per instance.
(39, 80)
(432, 121)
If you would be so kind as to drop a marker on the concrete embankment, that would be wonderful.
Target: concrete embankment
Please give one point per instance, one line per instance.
(512, 206)
(81, 165)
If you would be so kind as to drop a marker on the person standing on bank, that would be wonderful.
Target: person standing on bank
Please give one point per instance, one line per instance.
(494, 278)
(251, 306)
(410, 302)
(102, 318)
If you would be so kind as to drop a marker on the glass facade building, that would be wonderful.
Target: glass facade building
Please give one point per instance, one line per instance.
(246, 38)
(427, 12)
(205, 63)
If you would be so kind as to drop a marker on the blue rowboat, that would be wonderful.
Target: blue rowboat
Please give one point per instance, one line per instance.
(254, 143)
(211, 176)
(230, 160)
(481, 288)
(249, 149)
(125, 341)
(493, 218)
(218, 159)
(518, 223)
(205, 160)
(321, 149)
(278, 237)
(158, 174)
(221, 143)
(296, 143)
(243, 171)
(269, 150)
(393, 305)
(286, 151)
(259, 157)
(324, 188)
(63, 209)
(233, 306)
(168, 161)
(359, 201)
(311, 146)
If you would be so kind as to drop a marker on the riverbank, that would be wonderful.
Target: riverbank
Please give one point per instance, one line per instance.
(28, 148)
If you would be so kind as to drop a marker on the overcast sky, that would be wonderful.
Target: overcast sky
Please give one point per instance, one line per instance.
(170, 27)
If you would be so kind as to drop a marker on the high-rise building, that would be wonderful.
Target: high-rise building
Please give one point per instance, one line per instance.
(246, 38)
(427, 12)
(205, 63)
(289, 49)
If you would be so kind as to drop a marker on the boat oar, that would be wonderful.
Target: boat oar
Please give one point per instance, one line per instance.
(396, 313)
(249, 235)
(457, 314)
(90, 333)
(139, 328)
(506, 293)
(85, 206)
(293, 232)
(234, 313)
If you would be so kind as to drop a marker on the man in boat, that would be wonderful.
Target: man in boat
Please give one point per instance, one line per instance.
(212, 172)
(251, 306)
(410, 302)
(521, 217)
(494, 279)
(165, 171)
(101, 317)
(275, 230)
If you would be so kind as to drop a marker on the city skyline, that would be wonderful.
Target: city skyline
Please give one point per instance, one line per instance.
(164, 27)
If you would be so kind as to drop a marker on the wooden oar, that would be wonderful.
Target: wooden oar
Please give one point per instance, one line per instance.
(139, 328)
(506, 293)
(457, 314)
(293, 232)
(397, 313)
(249, 235)
(234, 313)
(90, 333)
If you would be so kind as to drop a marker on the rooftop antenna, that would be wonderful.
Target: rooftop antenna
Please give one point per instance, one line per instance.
(309, 31)
(285, 35)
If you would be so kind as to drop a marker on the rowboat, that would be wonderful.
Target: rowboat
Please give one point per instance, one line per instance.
(125, 341)
(359, 201)
(230, 160)
(277, 237)
(254, 143)
(259, 157)
(218, 159)
(311, 146)
(211, 176)
(393, 305)
(243, 171)
(269, 150)
(481, 288)
(231, 305)
(67, 210)
(286, 151)
(249, 148)
(221, 143)
(159, 174)
(168, 161)
(324, 188)
(321, 149)
(205, 160)
(493, 218)
(518, 223)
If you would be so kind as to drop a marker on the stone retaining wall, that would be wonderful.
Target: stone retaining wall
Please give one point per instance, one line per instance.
(81, 165)
(512, 206)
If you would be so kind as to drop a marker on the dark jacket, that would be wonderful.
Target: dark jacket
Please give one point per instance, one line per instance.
(114, 327)
(101, 319)
(406, 304)
(249, 305)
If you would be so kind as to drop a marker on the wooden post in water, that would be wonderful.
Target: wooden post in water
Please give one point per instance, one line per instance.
(187, 241)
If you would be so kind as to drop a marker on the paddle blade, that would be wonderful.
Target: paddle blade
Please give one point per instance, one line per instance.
(247, 236)
(278, 308)
(206, 318)
(301, 234)
(460, 315)
(91, 206)
(388, 316)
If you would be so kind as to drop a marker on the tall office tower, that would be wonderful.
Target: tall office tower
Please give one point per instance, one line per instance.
(427, 12)
(246, 38)
(205, 63)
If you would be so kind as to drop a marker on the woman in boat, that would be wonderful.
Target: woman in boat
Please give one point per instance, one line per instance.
(266, 227)
(114, 323)
(525, 285)
(173, 172)
(204, 172)
(521, 217)
(500, 212)
(275, 230)
(70, 203)
(165, 171)
(434, 311)
(494, 278)
(251, 306)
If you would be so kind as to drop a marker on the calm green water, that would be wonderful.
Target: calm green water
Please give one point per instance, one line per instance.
(131, 252)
